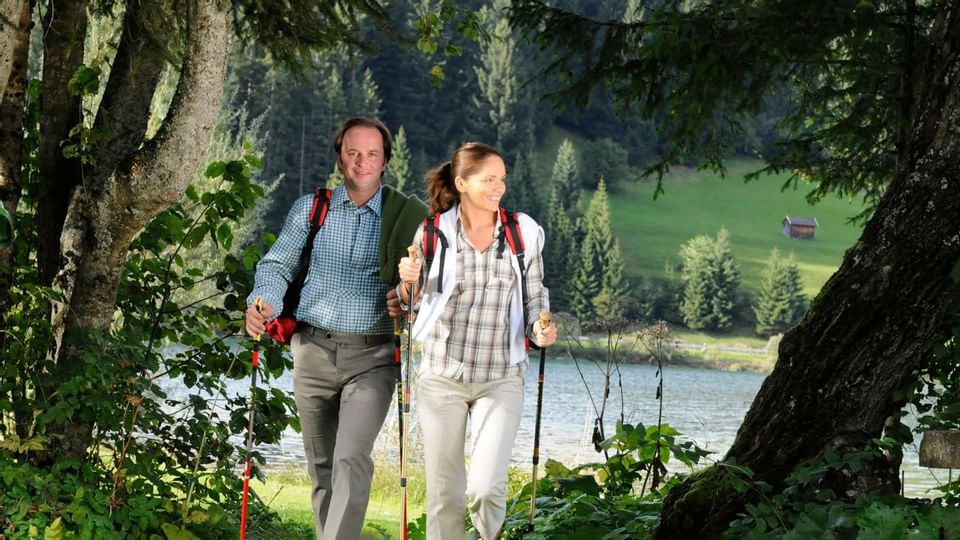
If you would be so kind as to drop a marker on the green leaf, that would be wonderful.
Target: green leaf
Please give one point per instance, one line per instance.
(85, 81)
(215, 169)
(6, 228)
(427, 45)
(436, 75)
(172, 532)
(54, 531)
(225, 235)
(253, 160)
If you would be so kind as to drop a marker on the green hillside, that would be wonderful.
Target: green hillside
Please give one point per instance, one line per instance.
(699, 202)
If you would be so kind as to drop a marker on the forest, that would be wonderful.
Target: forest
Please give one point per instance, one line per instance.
(148, 150)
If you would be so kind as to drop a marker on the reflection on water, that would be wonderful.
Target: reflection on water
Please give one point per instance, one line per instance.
(706, 406)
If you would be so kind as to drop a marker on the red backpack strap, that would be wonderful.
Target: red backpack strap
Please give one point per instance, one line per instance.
(511, 230)
(321, 203)
(283, 327)
(431, 236)
(510, 233)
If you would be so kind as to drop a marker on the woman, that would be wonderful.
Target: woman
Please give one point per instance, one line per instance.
(475, 312)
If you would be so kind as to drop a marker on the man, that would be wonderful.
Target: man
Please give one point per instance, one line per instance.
(344, 368)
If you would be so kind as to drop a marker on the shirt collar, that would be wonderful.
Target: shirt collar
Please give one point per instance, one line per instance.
(339, 198)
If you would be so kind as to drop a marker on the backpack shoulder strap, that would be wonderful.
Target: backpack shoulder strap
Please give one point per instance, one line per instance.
(510, 233)
(432, 235)
(318, 213)
(321, 203)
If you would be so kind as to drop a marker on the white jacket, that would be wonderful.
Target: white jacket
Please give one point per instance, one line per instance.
(433, 303)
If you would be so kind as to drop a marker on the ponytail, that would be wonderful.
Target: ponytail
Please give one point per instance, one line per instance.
(441, 193)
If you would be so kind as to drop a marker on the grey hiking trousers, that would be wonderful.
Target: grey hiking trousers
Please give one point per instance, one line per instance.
(343, 385)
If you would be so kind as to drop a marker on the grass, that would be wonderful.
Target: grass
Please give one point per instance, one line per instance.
(287, 492)
(651, 231)
(737, 337)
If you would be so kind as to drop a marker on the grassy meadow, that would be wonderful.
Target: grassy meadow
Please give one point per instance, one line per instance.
(700, 202)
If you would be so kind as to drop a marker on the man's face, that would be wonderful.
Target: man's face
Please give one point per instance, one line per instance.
(361, 158)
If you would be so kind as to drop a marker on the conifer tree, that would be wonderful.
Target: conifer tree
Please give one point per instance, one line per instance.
(522, 188)
(497, 86)
(726, 277)
(600, 269)
(609, 304)
(558, 253)
(364, 95)
(781, 301)
(696, 275)
(585, 284)
(335, 178)
(711, 278)
(566, 174)
(398, 170)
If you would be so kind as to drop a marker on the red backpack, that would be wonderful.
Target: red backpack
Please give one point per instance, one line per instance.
(283, 327)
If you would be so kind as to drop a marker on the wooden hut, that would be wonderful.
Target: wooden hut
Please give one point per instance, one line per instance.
(799, 227)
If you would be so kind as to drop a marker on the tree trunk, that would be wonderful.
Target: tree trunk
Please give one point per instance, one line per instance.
(103, 220)
(64, 30)
(9, 16)
(894, 296)
(12, 90)
(11, 158)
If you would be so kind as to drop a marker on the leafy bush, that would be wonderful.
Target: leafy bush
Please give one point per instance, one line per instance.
(604, 500)
(157, 465)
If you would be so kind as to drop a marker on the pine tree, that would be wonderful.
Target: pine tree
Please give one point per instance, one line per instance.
(497, 85)
(696, 275)
(364, 96)
(726, 277)
(781, 302)
(335, 178)
(398, 170)
(585, 284)
(711, 277)
(522, 189)
(558, 251)
(566, 175)
(598, 288)
(610, 303)
(799, 301)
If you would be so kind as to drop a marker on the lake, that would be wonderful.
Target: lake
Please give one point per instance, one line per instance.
(706, 406)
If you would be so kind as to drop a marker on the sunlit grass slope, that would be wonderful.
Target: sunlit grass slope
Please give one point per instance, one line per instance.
(700, 202)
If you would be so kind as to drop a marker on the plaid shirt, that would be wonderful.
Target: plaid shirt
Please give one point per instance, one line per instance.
(471, 339)
(343, 292)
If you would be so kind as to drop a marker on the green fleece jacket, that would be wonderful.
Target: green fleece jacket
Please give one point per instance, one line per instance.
(399, 217)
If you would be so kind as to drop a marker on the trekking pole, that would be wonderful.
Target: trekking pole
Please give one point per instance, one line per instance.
(544, 322)
(412, 253)
(255, 362)
(397, 346)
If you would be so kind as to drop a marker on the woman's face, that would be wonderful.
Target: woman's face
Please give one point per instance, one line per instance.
(483, 189)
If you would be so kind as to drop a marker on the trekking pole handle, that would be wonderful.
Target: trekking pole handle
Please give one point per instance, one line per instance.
(258, 303)
(544, 320)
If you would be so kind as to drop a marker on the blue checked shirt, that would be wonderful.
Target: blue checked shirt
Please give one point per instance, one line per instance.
(343, 292)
